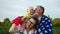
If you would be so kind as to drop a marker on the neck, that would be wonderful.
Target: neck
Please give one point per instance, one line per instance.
(40, 15)
(27, 29)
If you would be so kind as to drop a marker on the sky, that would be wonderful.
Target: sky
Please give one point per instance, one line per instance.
(14, 8)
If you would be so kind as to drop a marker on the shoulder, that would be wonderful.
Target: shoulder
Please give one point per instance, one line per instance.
(45, 17)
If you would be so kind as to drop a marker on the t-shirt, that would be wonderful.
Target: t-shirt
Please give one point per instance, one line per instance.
(25, 32)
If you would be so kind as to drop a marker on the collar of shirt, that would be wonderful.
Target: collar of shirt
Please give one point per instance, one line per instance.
(39, 18)
(25, 32)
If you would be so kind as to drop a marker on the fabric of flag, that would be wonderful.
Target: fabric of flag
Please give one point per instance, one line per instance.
(44, 26)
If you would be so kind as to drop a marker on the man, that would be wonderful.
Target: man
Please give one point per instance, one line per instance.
(44, 26)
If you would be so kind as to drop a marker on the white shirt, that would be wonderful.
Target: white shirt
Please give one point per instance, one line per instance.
(39, 19)
(25, 32)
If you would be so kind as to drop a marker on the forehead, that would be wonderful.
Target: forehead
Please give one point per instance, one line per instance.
(38, 7)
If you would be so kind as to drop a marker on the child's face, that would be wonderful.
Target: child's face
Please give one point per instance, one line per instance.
(30, 23)
(31, 11)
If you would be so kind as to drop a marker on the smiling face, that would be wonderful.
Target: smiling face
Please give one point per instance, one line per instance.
(31, 10)
(30, 23)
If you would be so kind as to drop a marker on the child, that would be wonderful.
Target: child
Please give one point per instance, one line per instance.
(30, 12)
(17, 22)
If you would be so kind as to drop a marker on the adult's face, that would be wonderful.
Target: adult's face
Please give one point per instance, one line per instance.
(39, 10)
(30, 23)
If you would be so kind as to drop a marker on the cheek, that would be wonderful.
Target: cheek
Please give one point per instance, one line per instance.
(31, 11)
(36, 11)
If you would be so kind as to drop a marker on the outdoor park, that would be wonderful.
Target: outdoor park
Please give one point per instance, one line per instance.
(9, 9)
(4, 26)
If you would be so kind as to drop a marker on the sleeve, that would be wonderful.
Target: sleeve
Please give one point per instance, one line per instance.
(26, 15)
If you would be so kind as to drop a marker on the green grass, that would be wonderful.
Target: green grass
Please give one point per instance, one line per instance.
(4, 30)
(56, 30)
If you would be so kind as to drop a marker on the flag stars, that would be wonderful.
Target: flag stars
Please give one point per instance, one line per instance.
(49, 29)
(46, 31)
(47, 26)
(41, 33)
(43, 28)
(39, 30)
(46, 18)
(43, 21)
(50, 24)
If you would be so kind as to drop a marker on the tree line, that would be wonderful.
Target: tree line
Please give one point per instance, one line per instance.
(7, 22)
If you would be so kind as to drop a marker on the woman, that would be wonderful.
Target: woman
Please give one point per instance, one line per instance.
(30, 26)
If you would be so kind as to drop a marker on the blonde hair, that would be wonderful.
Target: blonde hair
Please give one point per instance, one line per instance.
(28, 9)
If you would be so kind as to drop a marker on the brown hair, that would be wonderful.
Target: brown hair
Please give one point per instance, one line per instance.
(41, 8)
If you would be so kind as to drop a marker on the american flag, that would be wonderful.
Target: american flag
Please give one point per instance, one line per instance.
(44, 26)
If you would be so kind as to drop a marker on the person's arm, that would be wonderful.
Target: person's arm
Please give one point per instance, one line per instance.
(22, 28)
(48, 26)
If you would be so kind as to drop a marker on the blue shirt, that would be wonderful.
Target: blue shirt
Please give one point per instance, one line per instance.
(44, 26)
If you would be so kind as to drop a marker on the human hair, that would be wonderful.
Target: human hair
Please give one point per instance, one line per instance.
(36, 20)
(28, 9)
(41, 8)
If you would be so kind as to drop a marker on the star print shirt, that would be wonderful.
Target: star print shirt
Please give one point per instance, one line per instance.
(44, 26)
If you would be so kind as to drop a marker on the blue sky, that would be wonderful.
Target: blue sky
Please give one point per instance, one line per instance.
(13, 8)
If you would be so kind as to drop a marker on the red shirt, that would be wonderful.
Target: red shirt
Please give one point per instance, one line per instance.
(17, 20)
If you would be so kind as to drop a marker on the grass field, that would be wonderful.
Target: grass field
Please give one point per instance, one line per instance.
(4, 30)
(56, 30)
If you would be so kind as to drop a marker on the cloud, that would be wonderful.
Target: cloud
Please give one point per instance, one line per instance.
(13, 8)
